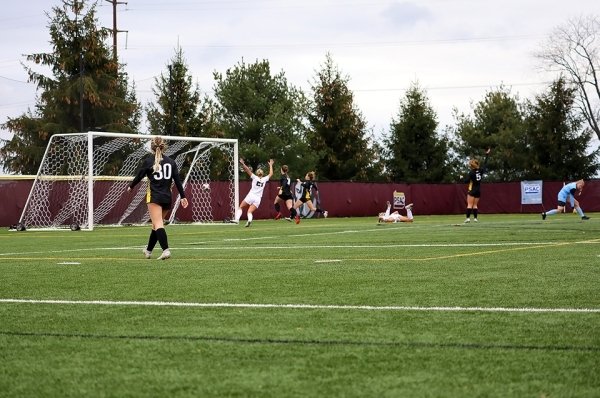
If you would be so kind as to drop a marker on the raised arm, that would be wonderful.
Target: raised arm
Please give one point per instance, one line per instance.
(246, 168)
(271, 161)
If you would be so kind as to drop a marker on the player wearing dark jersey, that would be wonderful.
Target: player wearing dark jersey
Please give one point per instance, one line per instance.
(161, 172)
(284, 195)
(305, 197)
(474, 188)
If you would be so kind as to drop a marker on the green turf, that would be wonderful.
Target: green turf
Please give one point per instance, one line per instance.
(370, 325)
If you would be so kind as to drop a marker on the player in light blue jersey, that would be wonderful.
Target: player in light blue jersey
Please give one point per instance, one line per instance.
(568, 192)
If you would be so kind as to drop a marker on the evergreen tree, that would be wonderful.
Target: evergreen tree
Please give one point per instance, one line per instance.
(413, 151)
(339, 133)
(557, 143)
(266, 114)
(87, 89)
(497, 123)
(177, 101)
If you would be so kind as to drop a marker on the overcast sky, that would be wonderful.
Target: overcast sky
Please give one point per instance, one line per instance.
(457, 50)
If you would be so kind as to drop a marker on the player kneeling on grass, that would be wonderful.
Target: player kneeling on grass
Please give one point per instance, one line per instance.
(395, 217)
(568, 192)
(161, 171)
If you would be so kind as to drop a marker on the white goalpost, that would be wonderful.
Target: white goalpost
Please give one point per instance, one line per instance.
(83, 178)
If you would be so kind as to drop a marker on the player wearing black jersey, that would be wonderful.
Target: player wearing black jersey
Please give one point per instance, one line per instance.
(305, 197)
(284, 195)
(161, 171)
(474, 188)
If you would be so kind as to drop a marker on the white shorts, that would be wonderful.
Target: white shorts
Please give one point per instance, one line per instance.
(253, 200)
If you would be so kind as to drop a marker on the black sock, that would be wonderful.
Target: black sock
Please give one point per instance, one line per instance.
(162, 238)
(277, 208)
(475, 213)
(152, 241)
(469, 213)
(293, 212)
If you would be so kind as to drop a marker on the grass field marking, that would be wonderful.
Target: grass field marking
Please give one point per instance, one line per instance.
(12, 255)
(556, 244)
(239, 239)
(534, 246)
(298, 306)
(528, 245)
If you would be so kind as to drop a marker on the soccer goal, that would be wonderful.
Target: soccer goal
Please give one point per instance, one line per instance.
(83, 178)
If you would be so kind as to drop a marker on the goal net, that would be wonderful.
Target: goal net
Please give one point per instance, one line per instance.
(83, 178)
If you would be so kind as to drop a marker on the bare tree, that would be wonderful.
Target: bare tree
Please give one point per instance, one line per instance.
(575, 49)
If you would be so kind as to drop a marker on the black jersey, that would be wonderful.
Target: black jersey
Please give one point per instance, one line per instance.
(285, 188)
(474, 180)
(159, 188)
(475, 177)
(307, 187)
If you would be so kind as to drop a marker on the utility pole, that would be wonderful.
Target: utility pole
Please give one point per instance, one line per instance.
(80, 69)
(115, 31)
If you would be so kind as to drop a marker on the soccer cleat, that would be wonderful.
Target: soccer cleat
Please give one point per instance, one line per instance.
(543, 215)
(468, 220)
(278, 216)
(297, 219)
(147, 254)
(585, 218)
(475, 220)
(248, 224)
(409, 206)
(165, 255)
(325, 213)
(288, 219)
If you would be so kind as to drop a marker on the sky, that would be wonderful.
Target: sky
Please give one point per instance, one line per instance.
(456, 50)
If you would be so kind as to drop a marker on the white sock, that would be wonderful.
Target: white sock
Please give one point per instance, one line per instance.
(387, 211)
(238, 214)
(409, 214)
(250, 217)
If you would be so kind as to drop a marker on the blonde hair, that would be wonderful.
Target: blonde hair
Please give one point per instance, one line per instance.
(158, 146)
(474, 164)
(310, 175)
(259, 172)
(284, 168)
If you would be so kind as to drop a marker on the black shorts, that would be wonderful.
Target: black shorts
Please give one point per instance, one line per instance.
(285, 196)
(561, 203)
(475, 193)
(165, 206)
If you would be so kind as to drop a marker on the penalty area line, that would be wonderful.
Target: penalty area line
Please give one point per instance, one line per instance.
(301, 306)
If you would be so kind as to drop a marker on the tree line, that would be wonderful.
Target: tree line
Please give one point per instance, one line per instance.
(545, 137)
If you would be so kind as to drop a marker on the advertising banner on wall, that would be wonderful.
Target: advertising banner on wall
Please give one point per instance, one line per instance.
(531, 192)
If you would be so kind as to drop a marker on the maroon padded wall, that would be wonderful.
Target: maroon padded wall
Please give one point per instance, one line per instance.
(352, 199)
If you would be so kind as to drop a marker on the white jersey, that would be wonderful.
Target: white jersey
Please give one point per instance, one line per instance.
(256, 190)
(394, 217)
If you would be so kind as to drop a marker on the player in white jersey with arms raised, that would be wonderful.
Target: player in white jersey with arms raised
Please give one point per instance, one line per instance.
(253, 198)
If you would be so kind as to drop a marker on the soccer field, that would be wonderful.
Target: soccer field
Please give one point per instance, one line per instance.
(508, 307)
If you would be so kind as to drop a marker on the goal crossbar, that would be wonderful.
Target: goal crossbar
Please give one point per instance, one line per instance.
(83, 178)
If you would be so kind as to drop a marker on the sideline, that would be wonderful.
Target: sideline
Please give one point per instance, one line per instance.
(299, 306)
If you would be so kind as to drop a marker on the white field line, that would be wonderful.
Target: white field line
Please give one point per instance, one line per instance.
(300, 306)
(292, 247)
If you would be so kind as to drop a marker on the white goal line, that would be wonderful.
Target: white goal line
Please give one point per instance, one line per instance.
(302, 306)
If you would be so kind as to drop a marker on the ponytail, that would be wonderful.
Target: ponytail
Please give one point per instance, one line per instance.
(158, 146)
